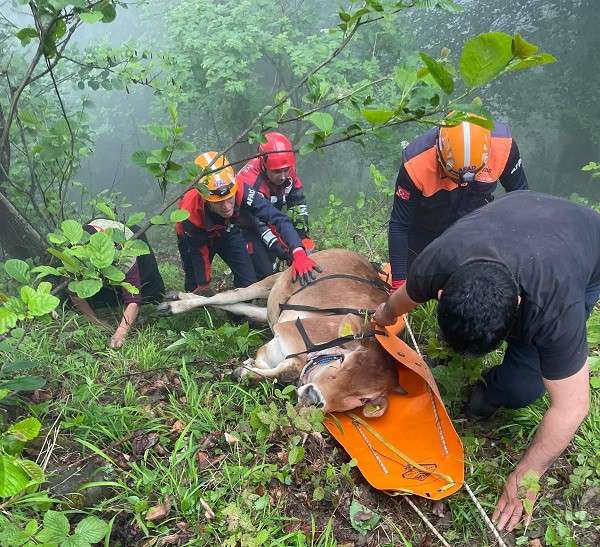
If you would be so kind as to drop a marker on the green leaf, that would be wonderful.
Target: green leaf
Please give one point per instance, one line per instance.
(131, 289)
(595, 382)
(102, 250)
(91, 17)
(85, 288)
(56, 238)
(42, 303)
(92, 529)
(72, 230)
(17, 269)
(109, 13)
(179, 215)
(377, 117)
(18, 366)
(136, 218)
(107, 210)
(26, 35)
(135, 247)
(439, 73)
(158, 219)
(536, 60)
(56, 527)
(27, 293)
(160, 132)
(484, 57)
(43, 271)
(8, 319)
(322, 120)
(113, 273)
(522, 48)
(362, 518)
(360, 201)
(24, 383)
(12, 478)
(140, 157)
(35, 472)
(26, 430)
(295, 455)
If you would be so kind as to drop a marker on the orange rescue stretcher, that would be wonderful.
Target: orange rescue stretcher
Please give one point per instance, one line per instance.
(413, 448)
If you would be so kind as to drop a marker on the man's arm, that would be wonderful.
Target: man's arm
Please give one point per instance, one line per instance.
(87, 310)
(296, 205)
(513, 177)
(569, 405)
(406, 198)
(397, 304)
(129, 316)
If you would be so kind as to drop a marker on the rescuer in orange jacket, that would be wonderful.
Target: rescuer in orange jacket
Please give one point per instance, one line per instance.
(447, 173)
(274, 176)
(212, 229)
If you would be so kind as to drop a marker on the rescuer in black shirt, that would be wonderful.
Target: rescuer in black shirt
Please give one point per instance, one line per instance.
(525, 269)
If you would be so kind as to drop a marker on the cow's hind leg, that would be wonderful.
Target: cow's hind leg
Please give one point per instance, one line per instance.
(189, 301)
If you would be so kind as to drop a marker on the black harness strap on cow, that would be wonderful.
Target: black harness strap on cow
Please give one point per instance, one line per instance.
(310, 347)
(377, 283)
(330, 311)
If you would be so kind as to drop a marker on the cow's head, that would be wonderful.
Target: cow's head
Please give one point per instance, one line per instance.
(340, 379)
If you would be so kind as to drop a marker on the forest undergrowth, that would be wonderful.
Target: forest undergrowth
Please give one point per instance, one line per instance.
(156, 444)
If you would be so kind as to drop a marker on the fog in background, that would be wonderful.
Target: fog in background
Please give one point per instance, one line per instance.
(553, 109)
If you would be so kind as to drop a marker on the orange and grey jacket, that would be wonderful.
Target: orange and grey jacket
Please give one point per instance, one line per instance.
(427, 201)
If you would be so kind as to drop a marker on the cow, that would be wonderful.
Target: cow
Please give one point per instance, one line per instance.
(322, 336)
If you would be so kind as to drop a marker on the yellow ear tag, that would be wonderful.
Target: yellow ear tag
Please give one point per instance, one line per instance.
(346, 329)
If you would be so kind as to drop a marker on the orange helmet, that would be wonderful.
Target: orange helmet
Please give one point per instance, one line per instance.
(463, 150)
(221, 184)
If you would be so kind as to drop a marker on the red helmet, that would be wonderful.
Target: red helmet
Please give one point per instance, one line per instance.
(279, 152)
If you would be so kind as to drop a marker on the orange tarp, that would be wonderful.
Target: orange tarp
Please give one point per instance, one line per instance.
(413, 448)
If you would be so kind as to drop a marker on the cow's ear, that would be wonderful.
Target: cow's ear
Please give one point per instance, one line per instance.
(351, 325)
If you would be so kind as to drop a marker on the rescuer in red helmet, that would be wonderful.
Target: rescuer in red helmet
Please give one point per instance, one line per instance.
(273, 175)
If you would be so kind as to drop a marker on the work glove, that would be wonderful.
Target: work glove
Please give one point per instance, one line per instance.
(309, 245)
(397, 283)
(303, 268)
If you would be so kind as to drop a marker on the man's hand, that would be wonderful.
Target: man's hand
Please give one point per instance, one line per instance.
(509, 509)
(117, 339)
(383, 316)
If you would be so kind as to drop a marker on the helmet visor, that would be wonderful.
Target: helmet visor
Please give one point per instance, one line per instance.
(221, 191)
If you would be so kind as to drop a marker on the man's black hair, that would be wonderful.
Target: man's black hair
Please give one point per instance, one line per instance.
(478, 307)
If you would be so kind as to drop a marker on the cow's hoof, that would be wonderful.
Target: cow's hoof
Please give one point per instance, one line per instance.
(171, 295)
(164, 308)
(239, 373)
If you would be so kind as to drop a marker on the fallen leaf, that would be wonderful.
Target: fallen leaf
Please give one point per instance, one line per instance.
(426, 541)
(177, 427)
(171, 539)
(41, 395)
(535, 543)
(208, 512)
(231, 439)
(203, 460)
(160, 511)
(439, 509)
(143, 441)
(363, 515)
(210, 441)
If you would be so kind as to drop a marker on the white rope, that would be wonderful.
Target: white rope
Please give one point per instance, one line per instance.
(485, 517)
(426, 521)
(487, 520)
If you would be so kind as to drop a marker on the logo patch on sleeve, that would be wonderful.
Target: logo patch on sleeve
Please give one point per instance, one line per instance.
(403, 193)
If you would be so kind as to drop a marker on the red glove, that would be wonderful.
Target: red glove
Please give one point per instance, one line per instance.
(303, 268)
(397, 283)
(308, 244)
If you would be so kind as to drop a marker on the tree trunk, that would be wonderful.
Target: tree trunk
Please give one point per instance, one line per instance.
(18, 238)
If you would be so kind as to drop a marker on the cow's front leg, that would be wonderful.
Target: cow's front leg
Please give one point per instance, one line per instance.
(287, 372)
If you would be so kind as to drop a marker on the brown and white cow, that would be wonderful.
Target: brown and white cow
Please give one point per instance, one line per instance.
(358, 372)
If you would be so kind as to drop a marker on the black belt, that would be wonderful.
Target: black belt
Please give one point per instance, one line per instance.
(310, 347)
